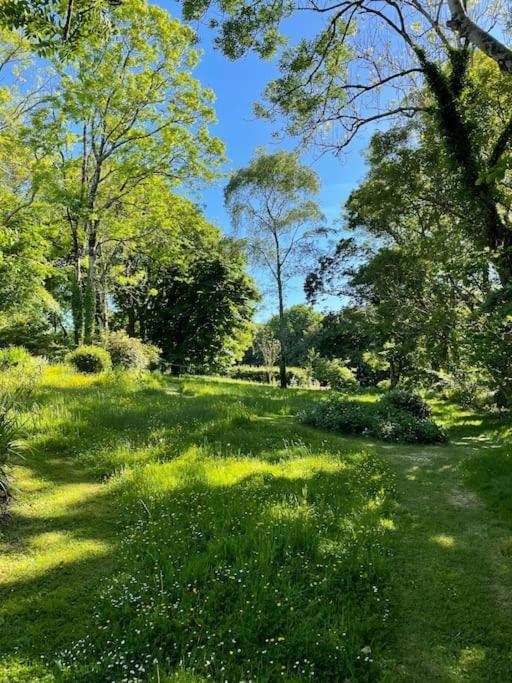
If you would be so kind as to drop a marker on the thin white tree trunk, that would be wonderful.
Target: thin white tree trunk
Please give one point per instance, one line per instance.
(492, 47)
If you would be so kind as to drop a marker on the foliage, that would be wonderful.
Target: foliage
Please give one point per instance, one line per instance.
(60, 27)
(332, 373)
(129, 352)
(301, 324)
(468, 388)
(14, 356)
(34, 332)
(90, 359)
(405, 400)
(252, 373)
(125, 126)
(268, 347)
(18, 377)
(393, 418)
(199, 314)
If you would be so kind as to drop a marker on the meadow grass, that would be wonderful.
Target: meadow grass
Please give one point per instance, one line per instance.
(193, 530)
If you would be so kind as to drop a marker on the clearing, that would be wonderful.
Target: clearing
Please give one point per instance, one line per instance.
(192, 530)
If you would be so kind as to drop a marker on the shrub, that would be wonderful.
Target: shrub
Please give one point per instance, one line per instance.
(382, 419)
(384, 385)
(130, 352)
(90, 359)
(339, 415)
(14, 356)
(468, 390)
(333, 374)
(153, 355)
(406, 400)
(255, 373)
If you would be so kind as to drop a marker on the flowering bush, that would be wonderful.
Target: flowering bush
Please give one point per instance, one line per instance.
(396, 417)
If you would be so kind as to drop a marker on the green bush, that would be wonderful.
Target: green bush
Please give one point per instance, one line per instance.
(382, 419)
(468, 390)
(255, 373)
(406, 400)
(90, 359)
(34, 334)
(333, 374)
(14, 356)
(130, 352)
(153, 355)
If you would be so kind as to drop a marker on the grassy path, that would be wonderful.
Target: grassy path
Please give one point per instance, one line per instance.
(454, 616)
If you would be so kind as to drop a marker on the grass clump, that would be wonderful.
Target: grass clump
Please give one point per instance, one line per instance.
(90, 359)
(16, 396)
(396, 416)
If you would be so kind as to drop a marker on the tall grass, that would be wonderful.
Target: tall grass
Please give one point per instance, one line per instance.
(253, 548)
(16, 397)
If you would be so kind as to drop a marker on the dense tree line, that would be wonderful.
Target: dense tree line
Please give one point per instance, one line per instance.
(95, 230)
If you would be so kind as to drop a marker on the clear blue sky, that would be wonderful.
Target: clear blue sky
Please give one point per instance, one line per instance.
(238, 84)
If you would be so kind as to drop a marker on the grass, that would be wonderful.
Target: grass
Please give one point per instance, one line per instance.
(193, 530)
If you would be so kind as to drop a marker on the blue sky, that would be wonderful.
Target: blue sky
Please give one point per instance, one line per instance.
(238, 84)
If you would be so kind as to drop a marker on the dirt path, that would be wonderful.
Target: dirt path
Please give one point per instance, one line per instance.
(454, 616)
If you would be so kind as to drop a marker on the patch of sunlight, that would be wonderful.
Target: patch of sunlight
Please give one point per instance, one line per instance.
(387, 523)
(197, 467)
(444, 540)
(63, 376)
(293, 510)
(51, 550)
(470, 657)
(58, 500)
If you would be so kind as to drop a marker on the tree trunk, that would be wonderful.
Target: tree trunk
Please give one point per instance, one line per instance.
(465, 27)
(104, 312)
(282, 331)
(90, 298)
(77, 304)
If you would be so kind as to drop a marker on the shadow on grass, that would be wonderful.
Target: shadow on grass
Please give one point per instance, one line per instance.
(215, 562)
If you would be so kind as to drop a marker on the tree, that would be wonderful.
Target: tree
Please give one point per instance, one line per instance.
(125, 115)
(200, 314)
(301, 323)
(268, 347)
(58, 27)
(373, 62)
(271, 201)
(428, 291)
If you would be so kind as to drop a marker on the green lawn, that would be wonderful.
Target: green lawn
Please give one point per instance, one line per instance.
(193, 530)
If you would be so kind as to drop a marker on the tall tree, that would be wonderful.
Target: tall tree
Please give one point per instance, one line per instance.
(127, 112)
(271, 201)
(375, 61)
